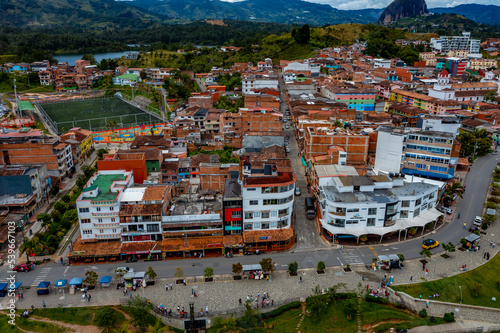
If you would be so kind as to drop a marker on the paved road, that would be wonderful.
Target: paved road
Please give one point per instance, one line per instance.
(310, 248)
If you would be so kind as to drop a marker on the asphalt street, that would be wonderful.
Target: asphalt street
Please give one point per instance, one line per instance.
(310, 247)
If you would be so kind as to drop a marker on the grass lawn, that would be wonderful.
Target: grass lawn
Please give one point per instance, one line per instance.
(150, 317)
(77, 113)
(41, 126)
(78, 316)
(373, 313)
(287, 322)
(478, 286)
(28, 325)
(334, 321)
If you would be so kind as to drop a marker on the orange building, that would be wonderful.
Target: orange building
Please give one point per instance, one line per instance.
(135, 162)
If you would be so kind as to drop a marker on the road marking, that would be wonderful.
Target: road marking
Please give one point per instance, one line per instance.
(470, 204)
(66, 270)
(373, 250)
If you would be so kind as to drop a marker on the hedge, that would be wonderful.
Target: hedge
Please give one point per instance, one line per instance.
(373, 299)
(280, 310)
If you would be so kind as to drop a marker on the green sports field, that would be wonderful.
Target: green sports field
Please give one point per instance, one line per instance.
(94, 114)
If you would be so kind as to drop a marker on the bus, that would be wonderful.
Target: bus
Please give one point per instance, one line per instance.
(310, 209)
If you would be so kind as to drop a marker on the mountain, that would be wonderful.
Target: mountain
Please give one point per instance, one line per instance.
(399, 9)
(75, 13)
(280, 11)
(488, 14)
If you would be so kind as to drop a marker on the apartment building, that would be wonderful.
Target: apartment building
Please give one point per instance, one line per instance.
(260, 120)
(469, 91)
(126, 160)
(417, 152)
(99, 205)
(355, 98)
(374, 205)
(258, 81)
(141, 211)
(476, 64)
(232, 208)
(446, 44)
(32, 146)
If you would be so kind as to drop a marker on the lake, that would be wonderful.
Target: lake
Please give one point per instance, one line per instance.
(72, 58)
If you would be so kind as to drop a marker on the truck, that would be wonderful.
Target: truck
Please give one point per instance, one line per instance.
(310, 208)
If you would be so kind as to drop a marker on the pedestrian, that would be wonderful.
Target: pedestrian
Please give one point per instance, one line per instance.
(19, 297)
(206, 310)
(493, 245)
(171, 287)
(130, 294)
(272, 302)
(411, 278)
(465, 225)
(184, 281)
(300, 279)
(241, 302)
(166, 287)
(426, 272)
(385, 277)
(423, 267)
(43, 304)
(251, 299)
(89, 298)
(484, 255)
(427, 304)
(258, 295)
(248, 298)
(488, 256)
(62, 261)
(22, 296)
(478, 247)
(192, 291)
(363, 277)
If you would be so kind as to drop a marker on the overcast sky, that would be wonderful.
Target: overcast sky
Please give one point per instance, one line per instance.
(363, 4)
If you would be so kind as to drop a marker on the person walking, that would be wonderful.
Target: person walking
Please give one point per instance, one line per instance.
(426, 272)
(241, 304)
(192, 291)
(19, 296)
(166, 287)
(300, 279)
(89, 298)
(363, 277)
(130, 294)
(171, 287)
(427, 304)
(465, 225)
(411, 278)
(206, 310)
(62, 261)
(43, 304)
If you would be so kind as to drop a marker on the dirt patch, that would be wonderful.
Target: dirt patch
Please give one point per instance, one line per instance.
(127, 317)
(216, 22)
(369, 327)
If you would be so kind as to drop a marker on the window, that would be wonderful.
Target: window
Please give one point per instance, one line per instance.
(353, 210)
(370, 222)
(99, 220)
(101, 231)
(112, 219)
(111, 209)
(254, 202)
(265, 214)
(416, 212)
(403, 214)
(431, 195)
(274, 213)
(251, 189)
(152, 227)
(236, 215)
(98, 209)
(83, 210)
(338, 222)
(405, 203)
(87, 232)
(256, 225)
(248, 226)
(372, 211)
(256, 214)
(249, 216)
(352, 221)
(265, 226)
(418, 202)
(114, 230)
(85, 221)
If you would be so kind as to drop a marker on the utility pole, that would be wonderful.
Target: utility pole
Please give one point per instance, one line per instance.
(192, 329)
(15, 94)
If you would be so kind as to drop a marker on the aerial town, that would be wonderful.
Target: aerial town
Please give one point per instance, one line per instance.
(341, 169)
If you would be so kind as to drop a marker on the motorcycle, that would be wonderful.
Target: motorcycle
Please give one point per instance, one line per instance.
(132, 260)
(229, 255)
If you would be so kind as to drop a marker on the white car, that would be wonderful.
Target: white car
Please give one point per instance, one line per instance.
(297, 191)
(126, 269)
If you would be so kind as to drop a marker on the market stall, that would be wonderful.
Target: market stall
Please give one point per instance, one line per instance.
(60, 284)
(43, 288)
(105, 281)
(76, 282)
(253, 271)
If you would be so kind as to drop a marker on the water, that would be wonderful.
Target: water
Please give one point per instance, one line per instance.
(72, 58)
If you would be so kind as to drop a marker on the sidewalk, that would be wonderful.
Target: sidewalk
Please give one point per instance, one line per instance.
(458, 326)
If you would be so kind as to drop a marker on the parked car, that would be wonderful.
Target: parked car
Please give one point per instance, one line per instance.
(22, 268)
(495, 152)
(445, 210)
(297, 191)
(430, 244)
(286, 126)
(474, 227)
(287, 149)
(126, 269)
(478, 220)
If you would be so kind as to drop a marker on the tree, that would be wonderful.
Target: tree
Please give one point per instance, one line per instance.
(491, 96)
(302, 35)
(90, 278)
(88, 170)
(120, 273)
(54, 190)
(179, 273)
(293, 267)
(317, 306)
(105, 319)
(426, 253)
(70, 216)
(475, 143)
(44, 217)
(66, 198)
(61, 207)
(112, 125)
(101, 152)
(350, 307)
(267, 265)
(237, 268)
(449, 247)
(151, 274)
(208, 272)
(89, 57)
(321, 266)
(143, 74)
(140, 308)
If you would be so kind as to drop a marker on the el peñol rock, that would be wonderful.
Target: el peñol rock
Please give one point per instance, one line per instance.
(399, 9)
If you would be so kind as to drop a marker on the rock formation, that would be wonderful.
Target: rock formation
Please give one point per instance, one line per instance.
(399, 9)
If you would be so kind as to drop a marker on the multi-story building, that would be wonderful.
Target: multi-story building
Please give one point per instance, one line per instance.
(80, 140)
(32, 146)
(99, 205)
(446, 44)
(141, 211)
(232, 208)
(355, 98)
(417, 152)
(258, 81)
(374, 205)
(476, 64)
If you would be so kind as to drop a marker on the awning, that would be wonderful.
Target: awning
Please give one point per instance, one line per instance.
(43, 285)
(3, 286)
(61, 283)
(247, 268)
(472, 238)
(76, 281)
(105, 279)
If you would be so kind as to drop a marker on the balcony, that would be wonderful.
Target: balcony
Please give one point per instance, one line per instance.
(103, 203)
(110, 214)
(337, 213)
(113, 225)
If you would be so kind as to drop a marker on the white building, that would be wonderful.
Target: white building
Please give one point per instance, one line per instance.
(99, 205)
(298, 66)
(267, 199)
(416, 152)
(440, 123)
(374, 205)
(258, 81)
(452, 43)
(381, 63)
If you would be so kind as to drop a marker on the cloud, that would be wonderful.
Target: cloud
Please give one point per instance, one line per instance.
(365, 4)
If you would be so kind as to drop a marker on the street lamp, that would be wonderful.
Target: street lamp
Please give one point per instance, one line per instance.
(460, 294)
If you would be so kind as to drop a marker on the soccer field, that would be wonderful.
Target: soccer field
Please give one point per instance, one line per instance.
(93, 114)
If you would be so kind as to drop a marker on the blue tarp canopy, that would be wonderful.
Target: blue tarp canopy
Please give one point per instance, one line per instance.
(61, 283)
(75, 281)
(3, 286)
(43, 285)
(106, 279)
(17, 285)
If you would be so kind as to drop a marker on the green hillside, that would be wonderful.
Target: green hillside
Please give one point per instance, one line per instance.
(74, 13)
